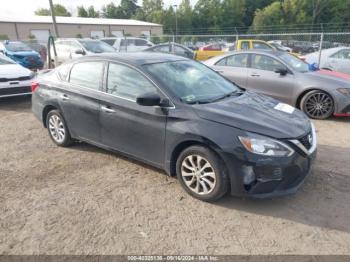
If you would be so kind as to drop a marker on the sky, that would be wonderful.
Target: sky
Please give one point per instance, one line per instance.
(20, 8)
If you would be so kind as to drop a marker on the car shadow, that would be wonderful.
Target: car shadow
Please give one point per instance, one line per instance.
(322, 201)
(16, 103)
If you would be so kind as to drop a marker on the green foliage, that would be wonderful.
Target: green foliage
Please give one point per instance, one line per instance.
(125, 10)
(217, 16)
(4, 37)
(82, 11)
(59, 10)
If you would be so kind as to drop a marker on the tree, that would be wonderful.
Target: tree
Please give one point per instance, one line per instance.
(59, 10)
(127, 8)
(207, 15)
(110, 11)
(82, 12)
(92, 13)
(233, 13)
(184, 15)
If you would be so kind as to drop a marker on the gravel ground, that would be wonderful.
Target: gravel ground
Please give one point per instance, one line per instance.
(84, 200)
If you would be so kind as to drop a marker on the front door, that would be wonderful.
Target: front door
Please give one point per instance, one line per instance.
(126, 126)
(263, 79)
(234, 68)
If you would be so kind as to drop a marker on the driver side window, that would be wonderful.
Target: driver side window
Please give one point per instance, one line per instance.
(127, 83)
(266, 63)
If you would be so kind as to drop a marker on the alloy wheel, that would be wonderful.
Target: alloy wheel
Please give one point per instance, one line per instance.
(318, 105)
(198, 174)
(57, 129)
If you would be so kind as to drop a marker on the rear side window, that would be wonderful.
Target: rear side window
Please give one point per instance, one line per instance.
(126, 82)
(237, 60)
(140, 42)
(261, 46)
(87, 74)
(109, 41)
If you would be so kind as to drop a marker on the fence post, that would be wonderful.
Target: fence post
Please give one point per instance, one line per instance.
(320, 50)
(236, 34)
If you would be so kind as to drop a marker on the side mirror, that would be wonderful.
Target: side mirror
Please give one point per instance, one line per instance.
(80, 52)
(148, 99)
(281, 71)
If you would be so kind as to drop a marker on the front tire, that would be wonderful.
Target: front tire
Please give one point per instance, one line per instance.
(317, 104)
(202, 173)
(57, 129)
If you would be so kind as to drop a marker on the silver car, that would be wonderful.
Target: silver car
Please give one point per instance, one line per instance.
(336, 59)
(288, 79)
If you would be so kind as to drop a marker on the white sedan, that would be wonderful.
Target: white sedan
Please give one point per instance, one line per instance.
(335, 59)
(15, 80)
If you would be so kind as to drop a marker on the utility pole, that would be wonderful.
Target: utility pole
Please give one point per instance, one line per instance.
(175, 21)
(53, 19)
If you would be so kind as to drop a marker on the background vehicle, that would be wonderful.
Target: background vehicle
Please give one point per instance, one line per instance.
(68, 49)
(288, 79)
(127, 44)
(22, 54)
(278, 45)
(172, 48)
(15, 80)
(41, 49)
(243, 44)
(335, 59)
(193, 123)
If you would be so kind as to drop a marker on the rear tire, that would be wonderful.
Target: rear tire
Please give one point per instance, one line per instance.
(57, 128)
(317, 104)
(202, 173)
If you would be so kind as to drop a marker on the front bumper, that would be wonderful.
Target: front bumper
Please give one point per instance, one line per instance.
(15, 91)
(257, 176)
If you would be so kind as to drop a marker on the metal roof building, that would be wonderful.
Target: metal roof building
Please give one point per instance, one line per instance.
(41, 27)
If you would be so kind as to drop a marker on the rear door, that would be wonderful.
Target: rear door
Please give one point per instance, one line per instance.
(126, 126)
(235, 68)
(263, 79)
(80, 101)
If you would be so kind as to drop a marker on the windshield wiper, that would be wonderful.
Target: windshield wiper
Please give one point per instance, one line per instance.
(233, 93)
(207, 101)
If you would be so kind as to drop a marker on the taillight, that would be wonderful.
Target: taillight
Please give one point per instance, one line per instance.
(35, 85)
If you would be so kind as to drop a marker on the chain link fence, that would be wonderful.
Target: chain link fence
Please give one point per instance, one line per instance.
(301, 43)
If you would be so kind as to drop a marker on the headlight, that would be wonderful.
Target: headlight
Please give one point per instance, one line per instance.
(266, 146)
(344, 91)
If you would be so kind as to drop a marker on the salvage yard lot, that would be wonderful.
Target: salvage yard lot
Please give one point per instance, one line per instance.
(85, 200)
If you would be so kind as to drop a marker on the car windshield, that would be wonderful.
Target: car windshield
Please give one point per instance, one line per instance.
(17, 47)
(97, 46)
(295, 63)
(191, 81)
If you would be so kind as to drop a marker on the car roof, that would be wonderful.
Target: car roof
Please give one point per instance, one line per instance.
(138, 58)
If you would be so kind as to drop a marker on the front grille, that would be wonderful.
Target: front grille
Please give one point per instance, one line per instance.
(306, 141)
(22, 78)
(15, 90)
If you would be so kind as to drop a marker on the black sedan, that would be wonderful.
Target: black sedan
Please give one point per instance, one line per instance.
(181, 116)
(172, 48)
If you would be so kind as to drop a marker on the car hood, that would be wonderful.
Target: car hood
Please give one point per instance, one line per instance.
(256, 113)
(333, 78)
(13, 71)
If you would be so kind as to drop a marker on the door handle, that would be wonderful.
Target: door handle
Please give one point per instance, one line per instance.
(64, 97)
(107, 109)
(255, 74)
